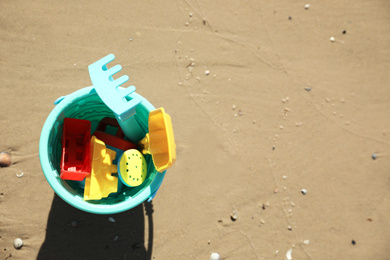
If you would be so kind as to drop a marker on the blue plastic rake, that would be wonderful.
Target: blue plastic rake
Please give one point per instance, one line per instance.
(115, 97)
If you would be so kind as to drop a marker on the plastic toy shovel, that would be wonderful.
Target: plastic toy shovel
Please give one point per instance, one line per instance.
(159, 142)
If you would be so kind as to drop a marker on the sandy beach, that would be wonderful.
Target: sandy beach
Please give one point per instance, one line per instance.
(281, 115)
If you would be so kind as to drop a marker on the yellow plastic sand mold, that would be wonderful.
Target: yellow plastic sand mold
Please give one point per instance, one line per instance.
(132, 169)
(159, 142)
(100, 183)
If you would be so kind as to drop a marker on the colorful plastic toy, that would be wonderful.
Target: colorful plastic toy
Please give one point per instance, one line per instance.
(116, 140)
(160, 142)
(76, 155)
(132, 169)
(101, 183)
(112, 135)
(118, 99)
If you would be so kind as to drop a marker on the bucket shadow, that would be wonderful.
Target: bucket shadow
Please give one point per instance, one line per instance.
(74, 234)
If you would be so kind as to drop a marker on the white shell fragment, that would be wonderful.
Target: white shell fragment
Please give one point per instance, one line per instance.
(304, 191)
(111, 219)
(307, 6)
(289, 254)
(215, 256)
(306, 242)
(207, 72)
(332, 39)
(18, 243)
(234, 216)
(19, 174)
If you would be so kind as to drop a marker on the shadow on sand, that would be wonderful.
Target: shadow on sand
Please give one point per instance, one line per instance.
(74, 234)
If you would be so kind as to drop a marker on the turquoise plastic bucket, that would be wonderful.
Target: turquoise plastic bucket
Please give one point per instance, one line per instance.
(86, 104)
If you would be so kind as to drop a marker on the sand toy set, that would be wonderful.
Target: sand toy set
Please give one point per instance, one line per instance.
(105, 149)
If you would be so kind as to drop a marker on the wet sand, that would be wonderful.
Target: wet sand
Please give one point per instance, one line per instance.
(264, 103)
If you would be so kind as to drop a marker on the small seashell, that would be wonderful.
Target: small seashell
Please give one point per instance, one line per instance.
(215, 256)
(207, 72)
(307, 6)
(304, 191)
(18, 243)
(306, 242)
(5, 159)
(374, 156)
(289, 254)
(289, 227)
(233, 216)
(262, 221)
(111, 219)
(332, 39)
(19, 174)
(234, 107)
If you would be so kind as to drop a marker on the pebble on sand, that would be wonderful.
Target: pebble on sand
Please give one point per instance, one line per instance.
(18, 243)
(332, 39)
(5, 159)
(307, 6)
(374, 156)
(304, 191)
(215, 256)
